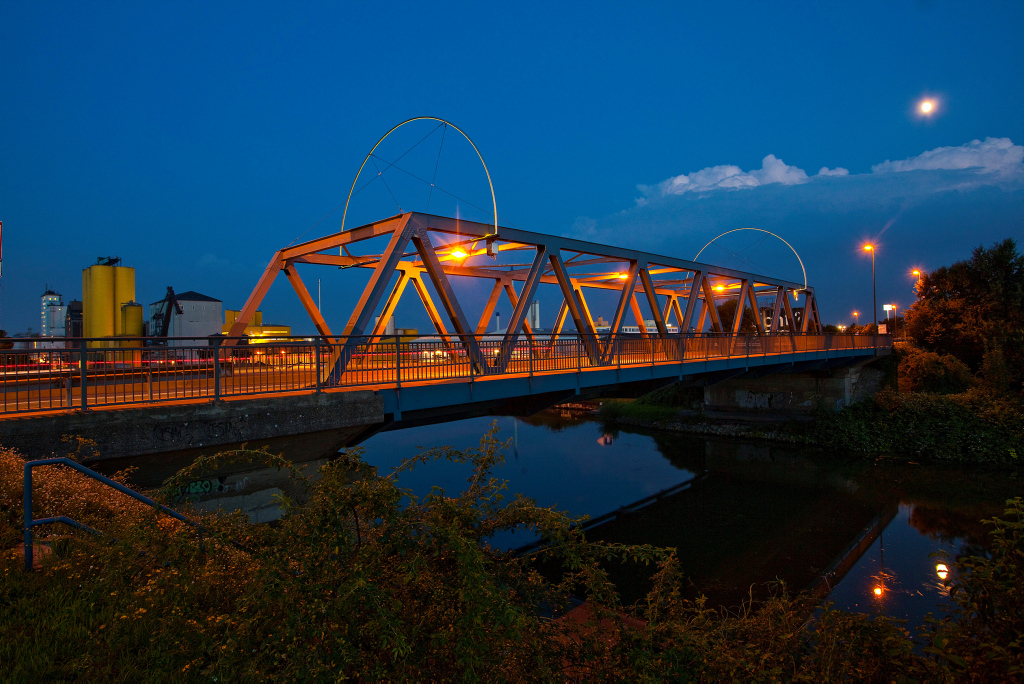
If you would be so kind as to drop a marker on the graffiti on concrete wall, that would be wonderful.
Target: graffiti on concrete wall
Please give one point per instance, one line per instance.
(764, 401)
(215, 485)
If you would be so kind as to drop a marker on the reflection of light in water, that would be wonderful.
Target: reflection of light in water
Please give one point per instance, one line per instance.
(605, 440)
(942, 571)
(878, 591)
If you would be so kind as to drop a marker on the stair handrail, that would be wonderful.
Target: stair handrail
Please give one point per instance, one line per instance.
(30, 523)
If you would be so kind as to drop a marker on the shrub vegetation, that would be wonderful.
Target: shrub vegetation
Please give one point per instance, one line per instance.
(365, 580)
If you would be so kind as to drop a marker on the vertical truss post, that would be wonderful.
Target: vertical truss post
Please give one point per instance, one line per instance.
(790, 319)
(776, 325)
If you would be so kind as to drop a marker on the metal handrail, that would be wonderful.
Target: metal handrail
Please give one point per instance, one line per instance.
(30, 523)
(102, 372)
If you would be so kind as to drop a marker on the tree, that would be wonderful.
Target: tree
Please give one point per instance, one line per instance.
(972, 306)
(727, 311)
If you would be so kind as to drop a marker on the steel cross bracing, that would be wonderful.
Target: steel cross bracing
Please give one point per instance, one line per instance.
(423, 247)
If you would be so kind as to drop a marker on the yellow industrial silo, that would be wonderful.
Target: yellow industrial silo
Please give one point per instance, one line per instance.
(106, 288)
(131, 319)
(124, 293)
(100, 303)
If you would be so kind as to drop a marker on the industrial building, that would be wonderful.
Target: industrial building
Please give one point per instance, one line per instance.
(256, 331)
(73, 319)
(189, 314)
(53, 314)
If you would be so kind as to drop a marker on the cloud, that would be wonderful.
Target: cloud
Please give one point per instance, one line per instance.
(994, 155)
(773, 170)
(997, 156)
(956, 199)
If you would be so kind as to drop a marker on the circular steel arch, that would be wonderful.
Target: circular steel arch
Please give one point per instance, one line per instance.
(763, 231)
(355, 180)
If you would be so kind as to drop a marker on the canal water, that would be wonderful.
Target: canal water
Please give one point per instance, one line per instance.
(741, 515)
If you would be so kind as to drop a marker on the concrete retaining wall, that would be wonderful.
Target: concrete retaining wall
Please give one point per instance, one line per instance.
(334, 418)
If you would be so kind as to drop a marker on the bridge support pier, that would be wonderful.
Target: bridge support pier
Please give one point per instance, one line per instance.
(795, 389)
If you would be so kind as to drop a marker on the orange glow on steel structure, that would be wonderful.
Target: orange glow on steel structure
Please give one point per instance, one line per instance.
(459, 254)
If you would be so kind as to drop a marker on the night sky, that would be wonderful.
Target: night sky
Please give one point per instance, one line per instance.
(194, 139)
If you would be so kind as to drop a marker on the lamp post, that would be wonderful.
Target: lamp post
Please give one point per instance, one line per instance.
(856, 318)
(874, 303)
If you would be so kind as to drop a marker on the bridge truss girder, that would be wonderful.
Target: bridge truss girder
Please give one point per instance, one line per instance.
(442, 247)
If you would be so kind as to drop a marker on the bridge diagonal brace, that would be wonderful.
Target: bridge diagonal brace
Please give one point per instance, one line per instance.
(627, 295)
(492, 301)
(318, 320)
(372, 294)
(510, 291)
(638, 315)
(389, 308)
(307, 301)
(691, 302)
(741, 305)
(444, 290)
(710, 307)
(572, 304)
(432, 312)
(518, 319)
(652, 301)
(810, 313)
(754, 310)
(255, 299)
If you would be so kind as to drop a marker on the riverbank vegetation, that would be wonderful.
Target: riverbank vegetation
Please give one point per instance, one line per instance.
(953, 390)
(362, 579)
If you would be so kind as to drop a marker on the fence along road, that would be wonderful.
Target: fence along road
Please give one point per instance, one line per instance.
(91, 375)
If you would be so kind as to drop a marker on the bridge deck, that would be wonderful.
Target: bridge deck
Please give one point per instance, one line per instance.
(412, 376)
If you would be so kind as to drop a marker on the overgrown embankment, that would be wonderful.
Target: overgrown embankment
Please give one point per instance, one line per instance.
(364, 581)
(933, 408)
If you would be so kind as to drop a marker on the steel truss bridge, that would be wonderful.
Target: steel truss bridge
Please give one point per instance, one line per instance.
(461, 364)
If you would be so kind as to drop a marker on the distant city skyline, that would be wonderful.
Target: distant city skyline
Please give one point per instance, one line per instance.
(194, 140)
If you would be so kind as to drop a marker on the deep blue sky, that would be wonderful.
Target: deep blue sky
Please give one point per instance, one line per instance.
(194, 139)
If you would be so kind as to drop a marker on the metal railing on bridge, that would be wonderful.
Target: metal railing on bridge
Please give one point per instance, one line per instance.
(88, 373)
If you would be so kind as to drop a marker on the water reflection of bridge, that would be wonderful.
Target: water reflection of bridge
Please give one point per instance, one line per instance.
(755, 514)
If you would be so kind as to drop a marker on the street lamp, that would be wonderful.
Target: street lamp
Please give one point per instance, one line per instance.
(874, 304)
(856, 318)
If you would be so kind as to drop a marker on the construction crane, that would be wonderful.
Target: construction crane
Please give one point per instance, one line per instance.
(164, 310)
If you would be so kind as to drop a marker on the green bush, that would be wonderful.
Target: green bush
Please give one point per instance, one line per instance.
(926, 371)
(366, 581)
(974, 426)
